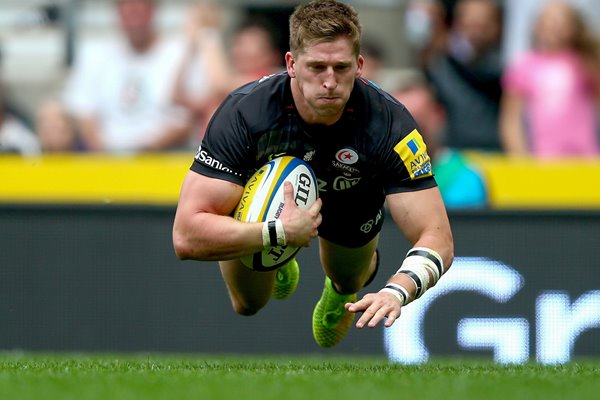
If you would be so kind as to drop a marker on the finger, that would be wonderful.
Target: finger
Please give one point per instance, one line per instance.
(378, 317)
(316, 207)
(288, 193)
(366, 316)
(391, 318)
(318, 220)
(359, 306)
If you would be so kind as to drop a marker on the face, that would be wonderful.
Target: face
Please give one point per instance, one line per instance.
(322, 79)
(252, 52)
(136, 18)
(479, 22)
(556, 27)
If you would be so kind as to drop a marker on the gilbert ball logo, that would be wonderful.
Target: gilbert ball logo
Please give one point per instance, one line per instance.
(346, 156)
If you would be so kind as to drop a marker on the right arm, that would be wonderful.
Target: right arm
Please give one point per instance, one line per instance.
(512, 131)
(204, 230)
(89, 133)
(202, 30)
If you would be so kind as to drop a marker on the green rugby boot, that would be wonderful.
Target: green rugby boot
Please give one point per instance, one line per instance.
(286, 280)
(330, 320)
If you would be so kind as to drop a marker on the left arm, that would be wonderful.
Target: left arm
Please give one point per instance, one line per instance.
(421, 216)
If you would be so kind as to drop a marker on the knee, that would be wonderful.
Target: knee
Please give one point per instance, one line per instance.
(348, 285)
(244, 308)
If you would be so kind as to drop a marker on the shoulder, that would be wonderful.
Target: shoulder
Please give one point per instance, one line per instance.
(383, 114)
(524, 59)
(391, 135)
(172, 45)
(92, 54)
(374, 94)
(377, 103)
(101, 47)
(259, 100)
(520, 70)
(264, 88)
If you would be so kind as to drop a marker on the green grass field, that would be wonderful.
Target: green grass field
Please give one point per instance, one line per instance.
(42, 376)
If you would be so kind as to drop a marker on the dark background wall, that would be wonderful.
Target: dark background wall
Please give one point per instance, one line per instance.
(105, 278)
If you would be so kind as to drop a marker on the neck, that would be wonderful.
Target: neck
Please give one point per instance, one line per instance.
(142, 43)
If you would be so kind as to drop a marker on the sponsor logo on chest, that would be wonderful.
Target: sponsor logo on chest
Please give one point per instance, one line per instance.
(343, 173)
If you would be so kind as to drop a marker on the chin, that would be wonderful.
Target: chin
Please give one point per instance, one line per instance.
(329, 110)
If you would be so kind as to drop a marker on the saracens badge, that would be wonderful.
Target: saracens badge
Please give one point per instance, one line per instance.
(346, 156)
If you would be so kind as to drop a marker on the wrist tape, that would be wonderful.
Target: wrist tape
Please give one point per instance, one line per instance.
(424, 266)
(398, 291)
(273, 234)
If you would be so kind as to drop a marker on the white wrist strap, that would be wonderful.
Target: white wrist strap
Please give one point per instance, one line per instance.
(424, 266)
(281, 239)
(273, 234)
(265, 235)
(398, 291)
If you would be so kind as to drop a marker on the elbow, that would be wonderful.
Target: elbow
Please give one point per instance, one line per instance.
(186, 249)
(182, 249)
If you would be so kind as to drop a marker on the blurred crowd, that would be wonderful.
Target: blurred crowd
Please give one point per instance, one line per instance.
(142, 90)
(470, 86)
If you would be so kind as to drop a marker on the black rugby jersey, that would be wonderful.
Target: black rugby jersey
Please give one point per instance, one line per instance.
(373, 150)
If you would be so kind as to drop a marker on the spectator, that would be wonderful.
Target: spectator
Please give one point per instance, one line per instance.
(426, 25)
(520, 16)
(15, 136)
(460, 184)
(120, 91)
(374, 60)
(466, 77)
(555, 87)
(202, 80)
(254, 52)
(55, 129)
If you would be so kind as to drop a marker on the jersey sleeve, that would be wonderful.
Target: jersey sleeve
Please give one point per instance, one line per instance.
(406, 163)
(226, 148)
(516, 75)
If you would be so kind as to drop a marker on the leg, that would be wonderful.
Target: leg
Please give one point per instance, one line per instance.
(249, 290)
(349, 268)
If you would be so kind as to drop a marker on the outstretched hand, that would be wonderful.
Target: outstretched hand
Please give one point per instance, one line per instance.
(300, 224)
(375, 307)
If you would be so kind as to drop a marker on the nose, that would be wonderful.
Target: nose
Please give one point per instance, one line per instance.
(330, 82)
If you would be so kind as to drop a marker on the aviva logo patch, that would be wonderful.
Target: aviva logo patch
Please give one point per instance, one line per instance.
(413, 152)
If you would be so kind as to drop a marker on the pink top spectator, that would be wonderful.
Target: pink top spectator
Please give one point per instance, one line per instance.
(559, 102)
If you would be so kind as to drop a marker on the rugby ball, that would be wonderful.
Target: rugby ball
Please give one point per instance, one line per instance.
(263, 200)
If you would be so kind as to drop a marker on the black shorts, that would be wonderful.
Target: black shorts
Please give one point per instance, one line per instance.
(351, 224)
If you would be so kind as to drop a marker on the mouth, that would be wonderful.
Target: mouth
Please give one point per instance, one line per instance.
(329, 99)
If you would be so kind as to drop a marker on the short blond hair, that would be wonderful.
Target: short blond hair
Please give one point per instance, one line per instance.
(323, 21)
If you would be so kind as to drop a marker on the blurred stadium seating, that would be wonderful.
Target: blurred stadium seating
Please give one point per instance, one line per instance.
(35, 47)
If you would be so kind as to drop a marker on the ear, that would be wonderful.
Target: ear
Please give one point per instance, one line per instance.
(360, 61)
(290, 64)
